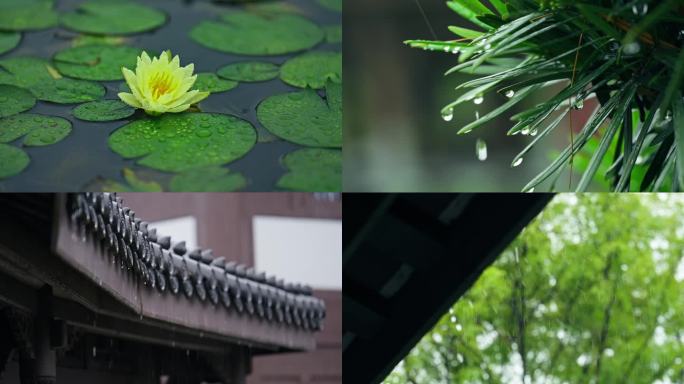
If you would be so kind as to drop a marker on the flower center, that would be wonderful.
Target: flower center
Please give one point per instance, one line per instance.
(160, 83)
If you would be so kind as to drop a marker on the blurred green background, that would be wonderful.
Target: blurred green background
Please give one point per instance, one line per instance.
(395, 137)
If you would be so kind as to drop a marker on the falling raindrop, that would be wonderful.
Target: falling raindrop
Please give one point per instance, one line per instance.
(477, 115)
(510, 93)
(481, 149)
(518, 161)
(680, 36)
(94, 351)
(478, 100)
(448, 114)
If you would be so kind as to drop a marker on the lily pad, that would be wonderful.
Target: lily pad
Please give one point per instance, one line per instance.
(208, 81)
(333, 33)
(27, 15)
(304, 118)
(133, 184)
(249, 71)
(177, 142)
(313, 169)
(103, 110)
(258, 34)
(208, 179)
(12, 160)
(33, 74)
(102, 17)
(8, 40)
(40, 130)
(313, 69)
(335, 5)
(14, 100)
(96, 62)
(82, 40)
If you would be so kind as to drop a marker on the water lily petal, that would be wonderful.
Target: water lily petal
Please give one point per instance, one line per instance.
(199, 97)
(179, 108)
(145, 58)
(129, 99)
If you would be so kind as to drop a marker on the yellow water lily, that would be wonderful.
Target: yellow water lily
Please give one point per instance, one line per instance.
(161, 85)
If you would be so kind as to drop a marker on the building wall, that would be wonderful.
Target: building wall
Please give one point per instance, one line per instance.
(224, 223)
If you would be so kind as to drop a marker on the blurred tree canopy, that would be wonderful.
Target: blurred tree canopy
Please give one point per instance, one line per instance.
(590, 292)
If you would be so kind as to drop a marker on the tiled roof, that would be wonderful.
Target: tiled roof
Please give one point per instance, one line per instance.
(195, 274)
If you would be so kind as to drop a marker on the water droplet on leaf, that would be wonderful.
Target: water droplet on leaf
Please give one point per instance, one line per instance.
(448, 114)
(518, 161)
(478, 100)
(510, 93)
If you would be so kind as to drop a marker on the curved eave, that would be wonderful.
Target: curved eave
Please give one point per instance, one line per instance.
(205, 319)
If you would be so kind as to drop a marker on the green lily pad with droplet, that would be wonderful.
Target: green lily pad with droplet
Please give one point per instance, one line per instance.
(334, 5)
(32, 73)
(208, 81)
(333, 33)
(249, 71)
(27, 15)
(14, 100)
(313, 69)
(12, 160)
(102, 17)
(96, 62)
(8, 40)
(208, 179)
(176, 142)
(304, 118)
(103, 110)
(258, 34)
(39, 130)
(314, 170)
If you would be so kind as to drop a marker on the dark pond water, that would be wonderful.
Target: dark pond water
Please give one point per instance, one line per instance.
(78, 161)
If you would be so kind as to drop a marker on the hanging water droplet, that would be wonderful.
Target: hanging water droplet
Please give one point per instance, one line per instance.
(446, 49)
(448, 114)
(640, 9)
(680, 36)
(510, 93)
(578, 104)
(455, 50)
(478, 100)
(481, 149)
(518, 161)
(533, 132)
(530, 190)
(525, 131)
(631, 48)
